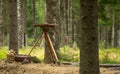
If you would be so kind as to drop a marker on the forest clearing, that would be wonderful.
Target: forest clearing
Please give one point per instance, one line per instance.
(110, 56)
(59, 36)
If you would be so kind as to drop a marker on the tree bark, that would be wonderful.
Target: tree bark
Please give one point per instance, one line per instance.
(68, 17)
(13, 27)
(22, 23)
(103, 37)
(62, 23)
(1, 24)
(20, 29)
(51, 18)
(118, 38)
(89, 61)
(23, 20)
(34, 18)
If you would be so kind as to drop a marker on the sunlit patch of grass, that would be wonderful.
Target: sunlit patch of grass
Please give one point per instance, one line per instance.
(38, 52)
(109, 56)
(69, 55)
(3, 52)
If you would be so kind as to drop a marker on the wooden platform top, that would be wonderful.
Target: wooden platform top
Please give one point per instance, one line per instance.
(45, 25)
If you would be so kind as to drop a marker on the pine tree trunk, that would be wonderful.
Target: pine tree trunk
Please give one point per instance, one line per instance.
(113, 29)
(5, 21)
(104, 36)
(13, 27)
(117, 28)
(22, 22)
(68, 17)
(118, 39)
(62, 23)
(34, 18)
(1, 24)
(116, 36)
(70, 22)
(52, 18)
(20, 29)
(89, 62)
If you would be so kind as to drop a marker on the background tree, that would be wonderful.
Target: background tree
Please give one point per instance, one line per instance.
(52, 18)
(89, 61)
(66, 26)
(23, 22)
(1, 24)
(34, 18)
(62, 22)
(5, 21)
(108, 24)
(13, 27)
(21, 10)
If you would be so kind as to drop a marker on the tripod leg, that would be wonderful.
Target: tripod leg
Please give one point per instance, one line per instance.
(52, 50)
(37, 40)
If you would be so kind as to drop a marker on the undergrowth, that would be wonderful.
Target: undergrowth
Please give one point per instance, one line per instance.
(68, 54)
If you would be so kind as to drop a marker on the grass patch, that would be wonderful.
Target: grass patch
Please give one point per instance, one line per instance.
(38, 52)
(68, 54)
(3, 52)
(109, 56)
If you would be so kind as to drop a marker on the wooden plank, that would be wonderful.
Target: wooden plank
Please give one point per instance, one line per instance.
(44, 25)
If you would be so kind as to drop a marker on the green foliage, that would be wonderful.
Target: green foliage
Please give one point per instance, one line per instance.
(39, 15)
(109, 56)
(69, 55)
(106, 8)
(101, 22)
(40, 11)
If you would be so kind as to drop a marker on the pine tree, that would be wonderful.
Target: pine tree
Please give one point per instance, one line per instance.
(13, 27)
(89, 62)
(1, 24)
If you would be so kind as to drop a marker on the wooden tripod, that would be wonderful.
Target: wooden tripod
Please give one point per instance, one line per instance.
(45, 28)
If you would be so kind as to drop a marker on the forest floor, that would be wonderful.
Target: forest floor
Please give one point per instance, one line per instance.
(33, 68)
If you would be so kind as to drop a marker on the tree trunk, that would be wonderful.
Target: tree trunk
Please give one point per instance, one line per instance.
(34, 18)
(13, 27)
(1, 24)
(118, 39)
(68, 17)
(62, 23)
(116, 36)
(51, 18)
(20, 29)
(113, 29)
(5, 21)
(117, 30)
(89, 61)
(103, 38)
(22, 22)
